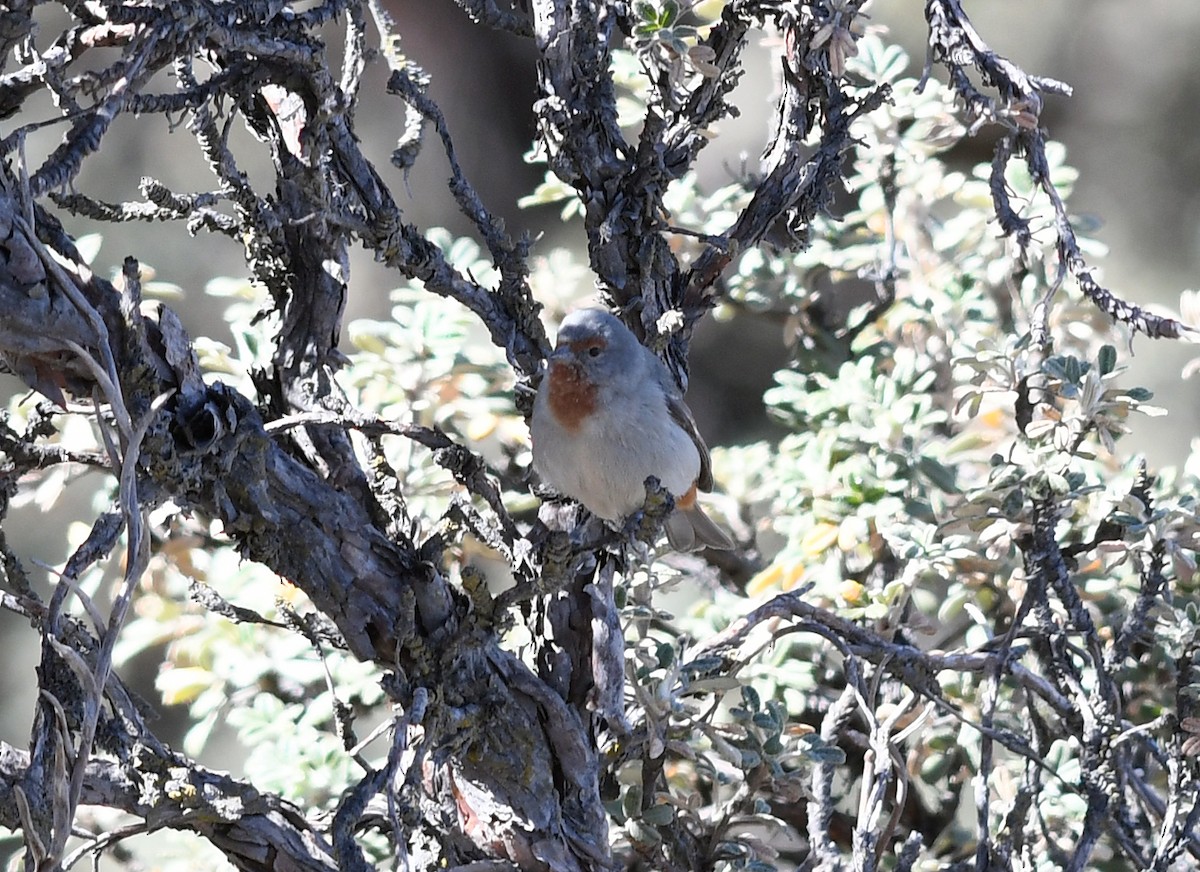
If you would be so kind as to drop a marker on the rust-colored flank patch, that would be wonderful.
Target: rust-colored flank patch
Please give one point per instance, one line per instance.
(687, 500)
(572, 397)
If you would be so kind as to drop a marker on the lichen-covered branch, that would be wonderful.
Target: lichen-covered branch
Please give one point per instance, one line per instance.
(955, 44)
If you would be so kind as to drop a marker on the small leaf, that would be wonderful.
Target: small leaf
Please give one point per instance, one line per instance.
(826, 754)
(751, 698)
(642, 834)
(183, 684)
(938, 474)
(88, 246)
(818, 539)
(716, 684)
(659, 815)
(1107, 359)
(631, 802)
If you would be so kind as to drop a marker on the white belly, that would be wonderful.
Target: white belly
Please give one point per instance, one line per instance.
(605, 462)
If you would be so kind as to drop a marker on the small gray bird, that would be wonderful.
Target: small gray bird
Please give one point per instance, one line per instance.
(607, 416)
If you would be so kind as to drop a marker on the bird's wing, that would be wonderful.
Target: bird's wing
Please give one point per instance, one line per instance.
(682, 416)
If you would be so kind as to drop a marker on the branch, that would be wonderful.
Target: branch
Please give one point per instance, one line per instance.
(955, 44)
(621, 190)
(520, 751)
(255, 831)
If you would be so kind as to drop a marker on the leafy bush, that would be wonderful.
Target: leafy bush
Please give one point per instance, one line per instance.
(958, 630)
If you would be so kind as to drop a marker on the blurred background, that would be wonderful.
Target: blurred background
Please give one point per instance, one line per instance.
(1127, 130)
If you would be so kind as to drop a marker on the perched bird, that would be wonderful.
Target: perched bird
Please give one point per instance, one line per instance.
(607, 416)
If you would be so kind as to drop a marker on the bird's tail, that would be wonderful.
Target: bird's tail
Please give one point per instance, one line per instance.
(690, 530)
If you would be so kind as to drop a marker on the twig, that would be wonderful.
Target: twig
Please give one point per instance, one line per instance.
(137, 558)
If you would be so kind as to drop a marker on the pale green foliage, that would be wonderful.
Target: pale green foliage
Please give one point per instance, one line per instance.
(267, 683)
(252, 334)
(431, 364)
(904, 484)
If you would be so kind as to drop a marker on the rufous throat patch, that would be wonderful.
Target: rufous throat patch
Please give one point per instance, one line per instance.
(572, 397)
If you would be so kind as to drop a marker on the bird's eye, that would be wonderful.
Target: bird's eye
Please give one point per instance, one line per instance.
(593, 351)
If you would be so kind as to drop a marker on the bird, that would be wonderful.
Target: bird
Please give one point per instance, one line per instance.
(607, 416)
